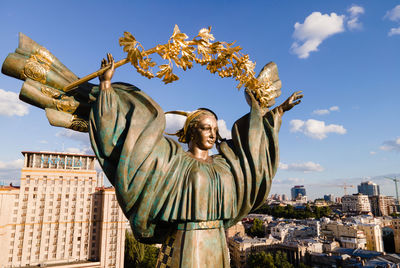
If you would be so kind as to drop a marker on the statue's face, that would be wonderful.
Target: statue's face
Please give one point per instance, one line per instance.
(205, 133)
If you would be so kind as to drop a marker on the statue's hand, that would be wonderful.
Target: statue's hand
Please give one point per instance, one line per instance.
(292, 101)
(105, 78)
(250, 98)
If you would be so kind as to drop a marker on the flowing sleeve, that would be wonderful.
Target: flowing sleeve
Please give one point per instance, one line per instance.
(126, 132)
(253, 156)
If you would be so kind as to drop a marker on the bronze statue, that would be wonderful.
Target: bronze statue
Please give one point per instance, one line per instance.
(183, 200)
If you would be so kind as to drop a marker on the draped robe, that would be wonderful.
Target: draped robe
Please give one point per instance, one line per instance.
(158, 185)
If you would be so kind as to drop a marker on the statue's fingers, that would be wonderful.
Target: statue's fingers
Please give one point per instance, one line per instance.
(298, 97)
(103, 63)
(109, 57)
(112, 62)
(297, 102)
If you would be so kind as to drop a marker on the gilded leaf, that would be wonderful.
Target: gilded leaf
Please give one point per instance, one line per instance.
(205, 34)
(128, 41)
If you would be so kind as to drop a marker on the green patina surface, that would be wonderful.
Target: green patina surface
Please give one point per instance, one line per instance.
(159, 185)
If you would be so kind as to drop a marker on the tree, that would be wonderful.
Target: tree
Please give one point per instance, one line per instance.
(281, 260)
(289, 212)
(257, 229)
(138, 254)
(261, 260)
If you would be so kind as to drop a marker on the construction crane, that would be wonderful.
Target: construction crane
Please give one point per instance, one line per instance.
(395, 182)
(345, 186)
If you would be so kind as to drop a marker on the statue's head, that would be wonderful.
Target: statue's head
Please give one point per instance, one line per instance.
(200, 129)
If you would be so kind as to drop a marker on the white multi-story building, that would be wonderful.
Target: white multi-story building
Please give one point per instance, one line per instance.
(356, 203)
(61, 215)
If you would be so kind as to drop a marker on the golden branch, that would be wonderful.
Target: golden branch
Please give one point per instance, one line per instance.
(218, 57)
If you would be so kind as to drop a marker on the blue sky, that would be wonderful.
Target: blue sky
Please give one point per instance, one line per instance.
(344, 55)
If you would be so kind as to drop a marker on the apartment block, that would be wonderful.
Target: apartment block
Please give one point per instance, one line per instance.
(396, 232)
(356, 203)
(373, 236)
(382, 205)
(348, 235)
(241, 247)
(61, 215)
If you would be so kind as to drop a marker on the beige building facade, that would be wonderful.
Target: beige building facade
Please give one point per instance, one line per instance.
(348, 235)
(396, 233)
(373, 236)
(60, 215)
(356, 203)
(382, 205)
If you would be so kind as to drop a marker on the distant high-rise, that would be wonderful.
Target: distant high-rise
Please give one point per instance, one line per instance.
(329, 198)
(297, 191)
(368, 188)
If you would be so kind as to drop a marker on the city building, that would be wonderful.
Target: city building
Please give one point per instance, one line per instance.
(356, 203)
(295, 252)
(297, 191)
(241, 247)
(235, 230)
(396, 232)
(348, 235)
(373, 236)
(320, 202)
(382, 205)
(61, 215)
(368, 188)
(329, 198)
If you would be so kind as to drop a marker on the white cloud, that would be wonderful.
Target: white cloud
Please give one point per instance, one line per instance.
(326, 111)
(316, 28)
(303, 167)
(74, 135)
(82, 138)
(391, 145)
(334, 108)
(321, 112)
(224, 132)
(11, 165)
(372, 153)
(81, 150)
(353, 23)
(394, 31)
(315, 129)
(175, 122)
(11, 105)
(393, 14)
(288, 181)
